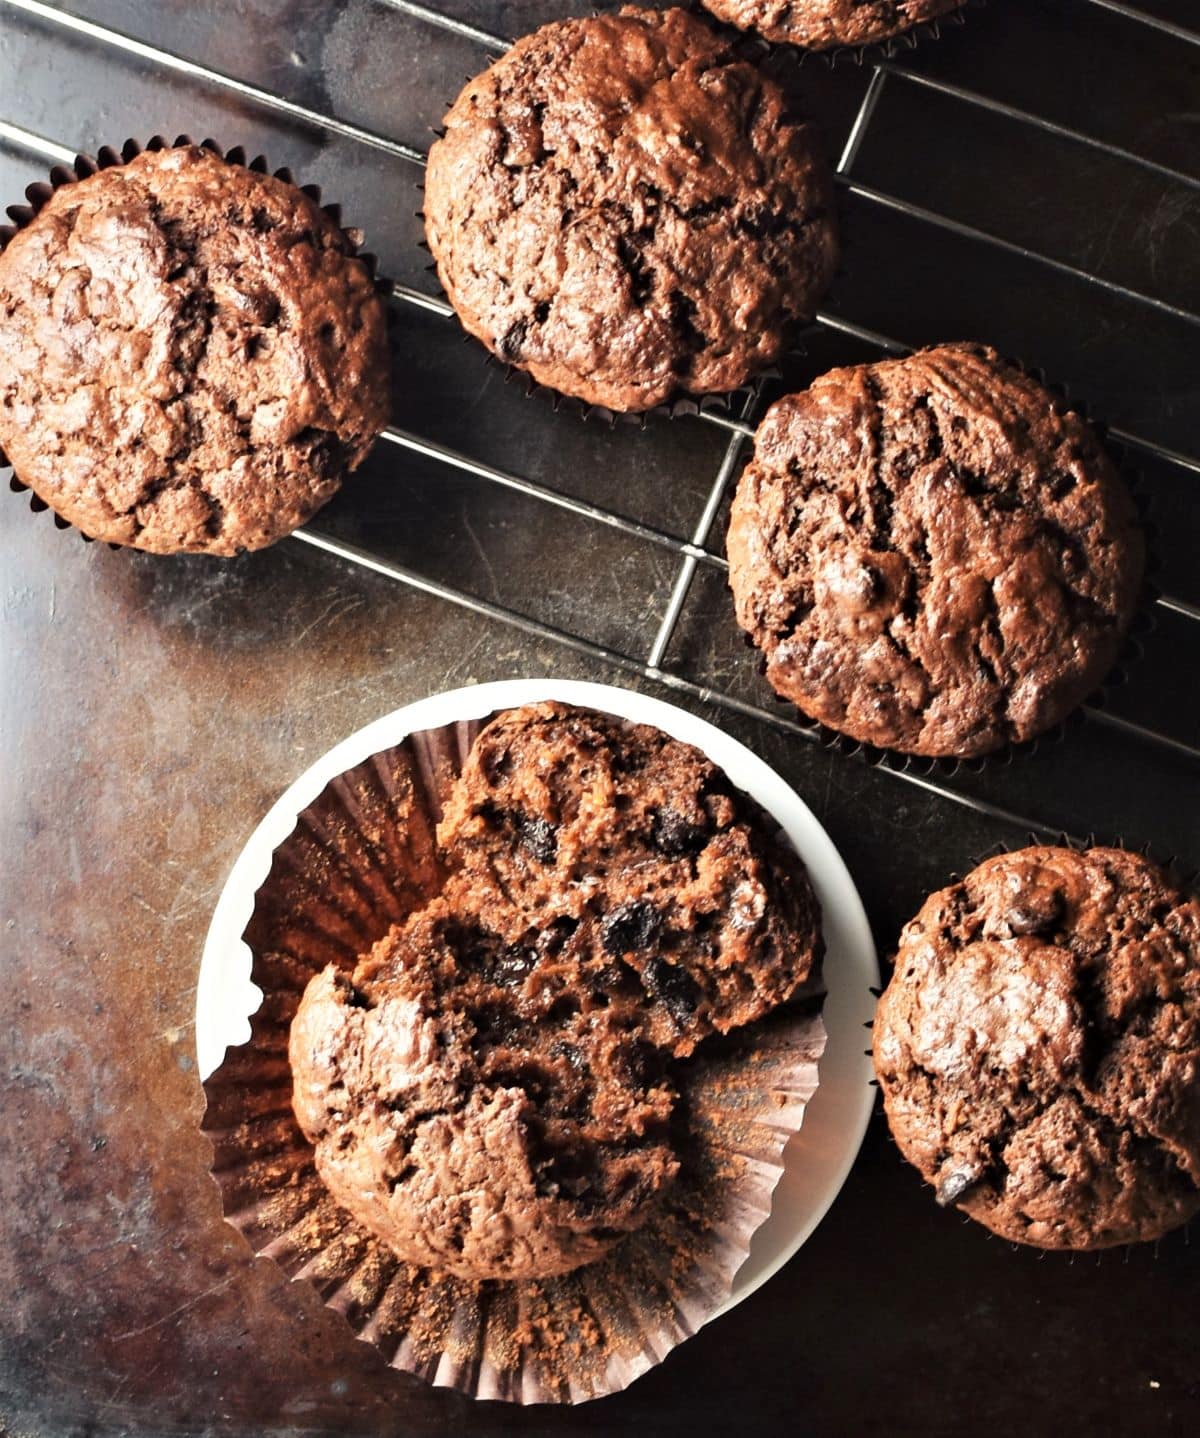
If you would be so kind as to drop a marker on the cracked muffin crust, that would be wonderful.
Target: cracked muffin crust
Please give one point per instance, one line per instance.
(933, 554)
(191, 357)
(627, 211)
(490, 1089)
(1038, 1048)
(828, 24)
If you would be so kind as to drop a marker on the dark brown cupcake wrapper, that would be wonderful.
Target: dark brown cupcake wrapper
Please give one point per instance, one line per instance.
(348, 871)
(107, 157)
(897, 46)
(1142, 622)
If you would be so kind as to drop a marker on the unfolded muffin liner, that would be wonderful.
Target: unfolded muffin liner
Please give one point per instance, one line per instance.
(1142, 622)
(358, 861)
(106, 158)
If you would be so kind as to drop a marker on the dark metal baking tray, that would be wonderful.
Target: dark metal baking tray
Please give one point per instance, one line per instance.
(1032, 179)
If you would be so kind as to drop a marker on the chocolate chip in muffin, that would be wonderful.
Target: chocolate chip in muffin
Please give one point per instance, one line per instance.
(1038, 1048)
(627, 210)
(829, 24)
(673, 835)
(907, 555)
(630, 928)
(191, 356)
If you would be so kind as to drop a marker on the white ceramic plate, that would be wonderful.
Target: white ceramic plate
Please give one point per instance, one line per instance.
(819, 1157)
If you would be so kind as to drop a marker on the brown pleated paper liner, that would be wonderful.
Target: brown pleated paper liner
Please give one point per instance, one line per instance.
(359, 859)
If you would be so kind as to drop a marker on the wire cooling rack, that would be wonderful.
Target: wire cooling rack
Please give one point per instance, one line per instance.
(1163, 721)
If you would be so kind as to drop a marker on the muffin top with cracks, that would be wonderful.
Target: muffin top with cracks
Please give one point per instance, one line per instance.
(627, 210)
(191, 355)
(829, 24)
(1038, 1047)
(934, 554)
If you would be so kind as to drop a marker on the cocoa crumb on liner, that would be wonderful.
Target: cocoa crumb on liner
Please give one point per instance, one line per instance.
(1141, 623)
(106, 158)
(360, 858)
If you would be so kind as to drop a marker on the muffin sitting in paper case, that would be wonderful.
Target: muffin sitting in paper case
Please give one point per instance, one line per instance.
(516, 1097)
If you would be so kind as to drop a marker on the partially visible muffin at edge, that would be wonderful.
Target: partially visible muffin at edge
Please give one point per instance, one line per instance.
(491, 1090)
(829, 24)
(934, 554)
(191, 356)
(1038, 1047)
(626, 210)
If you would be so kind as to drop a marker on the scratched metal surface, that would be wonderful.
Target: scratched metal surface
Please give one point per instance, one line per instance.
(1032, 179)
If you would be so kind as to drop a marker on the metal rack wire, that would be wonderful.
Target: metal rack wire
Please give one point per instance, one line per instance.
(695, 550)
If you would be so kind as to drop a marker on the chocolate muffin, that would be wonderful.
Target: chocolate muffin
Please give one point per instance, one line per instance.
(1038, 1048)
(829, 24)
(625, 209)
(668, 878)
(476, 1128)
(191, 356)
(934, 554)
(490, 1090)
